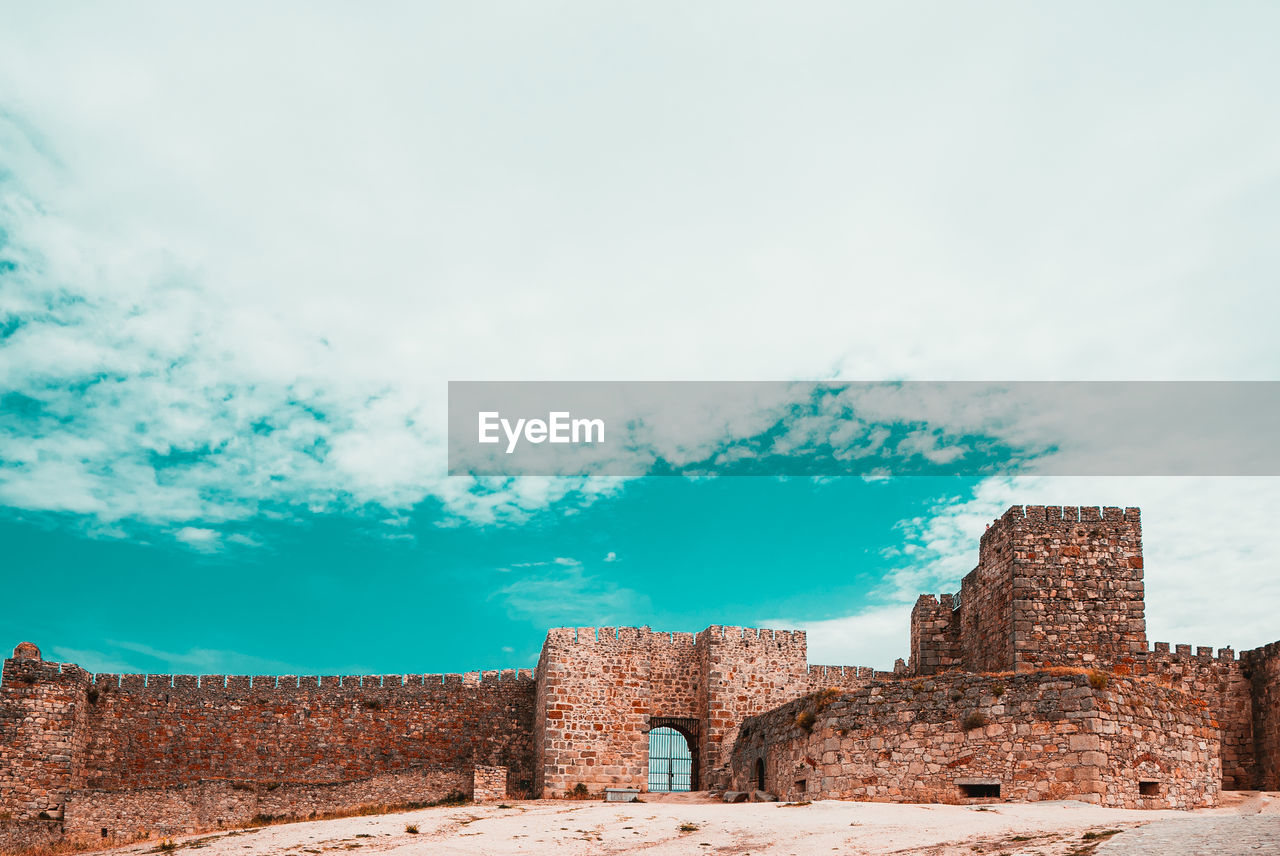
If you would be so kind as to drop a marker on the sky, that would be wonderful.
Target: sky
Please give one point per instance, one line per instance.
(242, 254)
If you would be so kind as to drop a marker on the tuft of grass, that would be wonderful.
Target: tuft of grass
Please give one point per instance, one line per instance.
(411, 828)
(805, 719)
(975, 719)
(1099, 679)
(371, 704)
(688, 827)
(997, 690)
(166, 845)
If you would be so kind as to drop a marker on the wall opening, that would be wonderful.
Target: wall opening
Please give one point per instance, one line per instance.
(104, 832)
(1149, 789)
(980, 791)
(760, 774)
(802, 785)
(672, 765)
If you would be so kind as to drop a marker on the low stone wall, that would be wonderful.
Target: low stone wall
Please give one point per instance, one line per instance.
(490, 784)
(206, 805)
(960, 737)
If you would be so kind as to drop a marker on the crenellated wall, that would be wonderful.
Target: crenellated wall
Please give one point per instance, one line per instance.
(125, 752)
(44, 711)
(1034, 736)
(599, 690)
(1261, 667)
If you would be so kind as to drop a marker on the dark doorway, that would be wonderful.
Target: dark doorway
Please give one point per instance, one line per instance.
(673, 754)
(760, 774)
(980, 791)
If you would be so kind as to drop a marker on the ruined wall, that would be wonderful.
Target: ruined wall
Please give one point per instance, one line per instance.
(935, 635)
(162, 730)
(1078, 585)
(986, 602)
(597, 689)
(43, 710)
(1262, 668)
(1040, 736)
(489, 783)
(1054, 585)
(121, 750)
(1214, 682)
(212, 804)
(746, 671)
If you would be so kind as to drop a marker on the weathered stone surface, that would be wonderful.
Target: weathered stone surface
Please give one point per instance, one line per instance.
(927, 741)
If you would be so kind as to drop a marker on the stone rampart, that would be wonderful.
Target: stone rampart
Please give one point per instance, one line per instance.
(964, 737)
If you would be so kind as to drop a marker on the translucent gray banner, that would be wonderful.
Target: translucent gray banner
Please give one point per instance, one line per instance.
(553, 428)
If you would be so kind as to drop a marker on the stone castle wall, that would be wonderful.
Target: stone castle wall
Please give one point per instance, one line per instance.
(87, 742)
(43, 734)
(1054, 586)
(1036, 736)
(599, 689)
(1262, 669)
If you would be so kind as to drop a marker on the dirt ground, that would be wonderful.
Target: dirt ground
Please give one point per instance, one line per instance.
(694, 824)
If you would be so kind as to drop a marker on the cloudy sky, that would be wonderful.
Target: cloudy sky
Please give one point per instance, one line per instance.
(243, 251)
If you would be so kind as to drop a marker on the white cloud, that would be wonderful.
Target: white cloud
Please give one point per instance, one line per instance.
(560, 592)
(241, 285)
(201, 539)
(872, 637)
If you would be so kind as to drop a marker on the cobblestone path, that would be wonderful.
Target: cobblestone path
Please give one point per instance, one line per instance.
(1247, 835)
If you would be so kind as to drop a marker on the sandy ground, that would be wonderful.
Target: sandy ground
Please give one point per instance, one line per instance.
(689, 824)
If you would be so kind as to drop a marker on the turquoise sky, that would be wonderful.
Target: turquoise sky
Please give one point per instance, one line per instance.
(331, 595)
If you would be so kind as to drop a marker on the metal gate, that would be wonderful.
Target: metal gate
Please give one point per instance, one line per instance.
(672, 747)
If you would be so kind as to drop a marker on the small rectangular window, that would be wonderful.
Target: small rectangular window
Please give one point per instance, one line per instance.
(1149, 789)
(802, 785)
(981, 791)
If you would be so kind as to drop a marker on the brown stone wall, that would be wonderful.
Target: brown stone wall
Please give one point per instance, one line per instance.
(43, 710)
(1215, 682)
(986, 602)
(746, 671)
(1078, 596)
(1038, 736)
(203, 805)
(935, 635)
(107, 746)
(598, 690)
(1262, 666)
(489, 783)
(162, 730)
(595, 697)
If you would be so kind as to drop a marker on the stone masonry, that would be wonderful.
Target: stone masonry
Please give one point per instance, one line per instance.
(1034, 681)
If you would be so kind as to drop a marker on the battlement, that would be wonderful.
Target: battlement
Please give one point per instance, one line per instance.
(139, 683)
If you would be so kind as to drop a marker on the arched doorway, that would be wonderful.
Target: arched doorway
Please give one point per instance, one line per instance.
(760, 774)
(673, 763)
